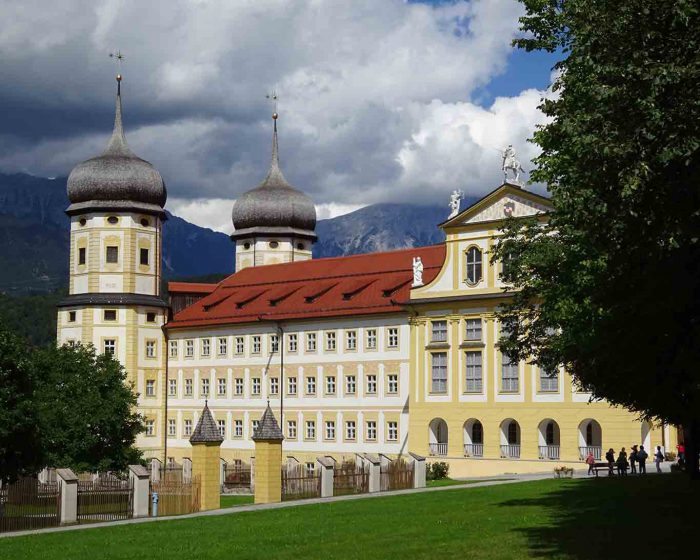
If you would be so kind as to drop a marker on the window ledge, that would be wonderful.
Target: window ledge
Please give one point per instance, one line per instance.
(437, 345)
(472, 344)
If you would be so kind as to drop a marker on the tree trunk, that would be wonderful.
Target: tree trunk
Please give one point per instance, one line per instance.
(691, 433)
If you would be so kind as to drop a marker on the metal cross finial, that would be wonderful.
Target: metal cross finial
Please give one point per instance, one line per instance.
(118, 56)
(272, 96)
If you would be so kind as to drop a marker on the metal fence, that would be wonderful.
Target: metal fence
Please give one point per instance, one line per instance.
(236, 476)
(29, 504)
(350, 478)
(105, 498)
(175, 497)
(396, 475)
(299, 483)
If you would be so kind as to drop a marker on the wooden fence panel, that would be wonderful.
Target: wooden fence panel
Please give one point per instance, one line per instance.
(29, 504)
(396, 475)
(298, 483)
(105, 499)
(176, 497)
(349, 478)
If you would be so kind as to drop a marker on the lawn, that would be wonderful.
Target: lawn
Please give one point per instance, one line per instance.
(233, 500)
(453, 482)
(650, 517)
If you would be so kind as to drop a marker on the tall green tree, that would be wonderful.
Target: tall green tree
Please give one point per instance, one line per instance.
(86, 410)
(20, 452)
(609, 287)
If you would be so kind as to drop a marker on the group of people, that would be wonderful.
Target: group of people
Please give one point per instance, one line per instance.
(635, 462)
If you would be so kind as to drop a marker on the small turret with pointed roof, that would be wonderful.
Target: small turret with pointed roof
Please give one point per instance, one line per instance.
(268, 429)
(206, 430)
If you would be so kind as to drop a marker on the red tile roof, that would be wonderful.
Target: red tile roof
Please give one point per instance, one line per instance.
(343, 286)
(190, 288)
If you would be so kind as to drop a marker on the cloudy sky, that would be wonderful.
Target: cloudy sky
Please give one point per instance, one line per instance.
(379, 100)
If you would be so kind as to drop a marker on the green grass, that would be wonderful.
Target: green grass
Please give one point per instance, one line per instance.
(233, 500)
(453, 482)
(649, 517)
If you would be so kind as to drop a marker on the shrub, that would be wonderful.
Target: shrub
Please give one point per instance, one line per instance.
(437, 471)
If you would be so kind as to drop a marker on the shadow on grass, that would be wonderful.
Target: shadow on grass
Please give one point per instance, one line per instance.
(631, 517)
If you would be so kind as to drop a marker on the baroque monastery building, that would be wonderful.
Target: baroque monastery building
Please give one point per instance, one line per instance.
(381, 353)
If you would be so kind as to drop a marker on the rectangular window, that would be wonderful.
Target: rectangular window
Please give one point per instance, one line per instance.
(238, 428)
(274, 385)
(222, 428)
(189, 348)
(311, 342)
(150, 388)
(187, 431)
(371, 430)
(189, 386)
(292, 385)
(330, 385)
(392, 383)
(206, 347)
(473, 329)
(330, 341)
(238, 386)
(351, 340)
(240, 345)
(439, 331)
(256, 386)
(221, 386)
(393, 337)
(173, 348)
(292, 429)
(143, 257)
(350, 384)
(371, 339)
(109, 346)
(205, 387)
(509, 375)
(350, 429)
(310, 468)
(150, 317)
(371, 384)
(474, 383)
(392, 431)
(439, 372)
(150, 348)
(311, 385)
(255, 425)
(82, 255)
(330, 429)
(292, 342)
(172, 427)
(150, 427)
(257, 345)
(110, 315)
(223, 346)
(549, 381)
(172, 387)
(71, 316)
(310, 429)
(274, 343)
(112, 254)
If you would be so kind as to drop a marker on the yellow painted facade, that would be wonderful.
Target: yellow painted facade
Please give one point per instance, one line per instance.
(268, 472)
(205, 467)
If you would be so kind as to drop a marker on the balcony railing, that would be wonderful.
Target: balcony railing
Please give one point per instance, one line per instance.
(595, 449)
(549, 452)
(474, 449)
(438, 448)
(510, 451)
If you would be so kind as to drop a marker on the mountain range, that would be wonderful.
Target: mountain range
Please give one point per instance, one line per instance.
(34, 236)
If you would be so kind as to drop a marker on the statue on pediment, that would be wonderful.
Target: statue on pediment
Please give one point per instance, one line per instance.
(512, 164)
(455, 198)
(417, 272)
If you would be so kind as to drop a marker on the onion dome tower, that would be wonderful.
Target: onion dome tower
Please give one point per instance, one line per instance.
(274, 222)
(116, 213)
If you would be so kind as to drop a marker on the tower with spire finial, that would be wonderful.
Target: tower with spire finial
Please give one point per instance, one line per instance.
(114, 303)
(274, 222)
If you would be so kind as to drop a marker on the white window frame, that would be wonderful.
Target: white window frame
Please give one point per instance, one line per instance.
(350, 384)
(392, 383)
(330, 429)
(392, 338)
(471, 328)
(371, 384)
(310, 429)
(474, 373)
(438, 373)
(331, 341)
(330, 385)
(221, 387)
(310, 384)
(255, 386)
(350, 430)
(205, 349)
(238, 386)
(371, 426)
(150, 387)
(351, 340)
(392, 431)
(292, 385)
(438, 331)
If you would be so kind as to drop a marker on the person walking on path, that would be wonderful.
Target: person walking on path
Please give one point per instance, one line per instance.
(590, 461)
(681, 452)
(642, 459)
(622, 463)
(610, 458)
(633, 460)
(658, 458)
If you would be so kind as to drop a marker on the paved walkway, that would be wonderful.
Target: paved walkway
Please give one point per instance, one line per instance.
(489, 481)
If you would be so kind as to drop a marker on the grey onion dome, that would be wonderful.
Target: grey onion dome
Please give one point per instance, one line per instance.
(117, 178)
(274, 206)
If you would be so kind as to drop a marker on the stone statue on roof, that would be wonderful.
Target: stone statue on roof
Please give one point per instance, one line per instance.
(455, 197)
(511, 163)
(417, 272)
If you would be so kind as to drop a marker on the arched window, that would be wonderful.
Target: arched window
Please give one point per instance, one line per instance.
(549, 434)
(589, 433)
(513, 433)
(477, 433)
(474, 266)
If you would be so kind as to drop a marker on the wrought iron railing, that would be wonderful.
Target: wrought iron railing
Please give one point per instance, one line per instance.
(549, 452)
(438, 448)
(597, 451)
(474, 449)
(510, 451)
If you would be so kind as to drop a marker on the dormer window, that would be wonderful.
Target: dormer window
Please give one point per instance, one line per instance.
(113, 220)
(474, 265)
(274, 244)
